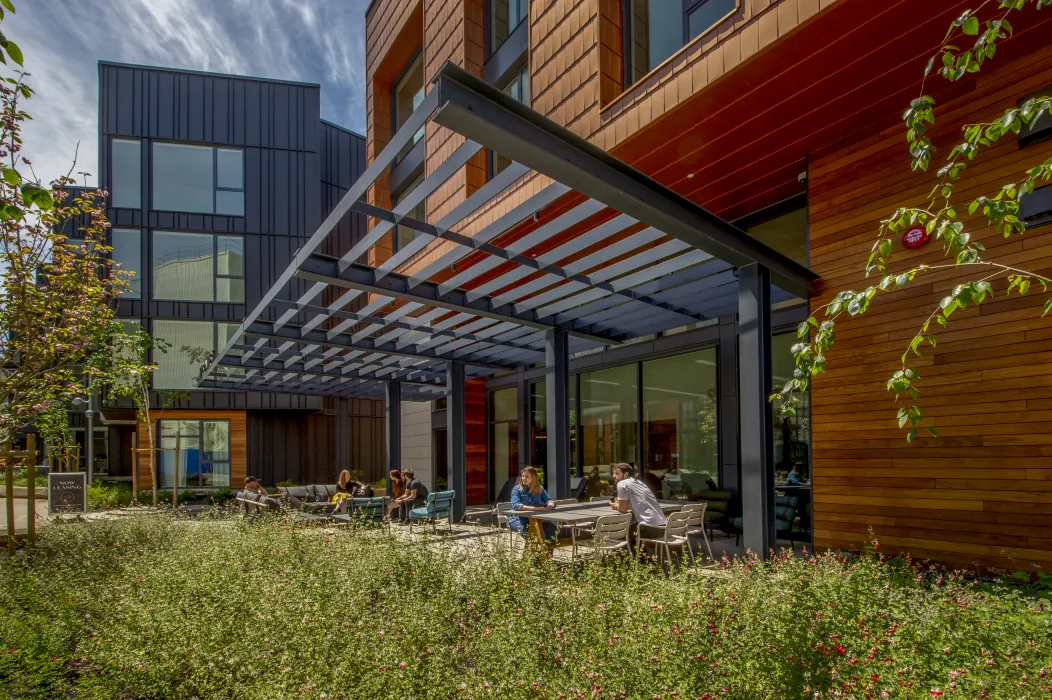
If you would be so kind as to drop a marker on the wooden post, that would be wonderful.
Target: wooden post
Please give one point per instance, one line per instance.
(135, 468)
(31, 488)
(175, 476)
(9, 482)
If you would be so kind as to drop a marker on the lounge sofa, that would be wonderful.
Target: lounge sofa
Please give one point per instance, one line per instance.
(785, 508)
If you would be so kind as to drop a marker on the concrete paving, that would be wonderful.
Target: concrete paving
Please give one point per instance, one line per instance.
(21, 513)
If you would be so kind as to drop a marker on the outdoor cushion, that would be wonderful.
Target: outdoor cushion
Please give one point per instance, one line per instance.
(324, 492)
(299, 492)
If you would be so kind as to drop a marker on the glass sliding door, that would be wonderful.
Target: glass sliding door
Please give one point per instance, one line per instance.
(504, 437)
(538, 454)
(792, 449)
(609, 409)
(680, 441)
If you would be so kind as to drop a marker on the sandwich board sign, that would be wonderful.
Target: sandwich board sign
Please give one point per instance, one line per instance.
(67, 492)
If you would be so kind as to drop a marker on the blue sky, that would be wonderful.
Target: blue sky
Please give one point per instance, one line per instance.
(319, 41)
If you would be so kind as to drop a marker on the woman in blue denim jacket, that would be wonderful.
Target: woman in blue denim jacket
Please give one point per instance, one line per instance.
(529, 495)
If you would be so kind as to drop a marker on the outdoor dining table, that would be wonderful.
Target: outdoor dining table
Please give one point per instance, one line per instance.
(576, 516)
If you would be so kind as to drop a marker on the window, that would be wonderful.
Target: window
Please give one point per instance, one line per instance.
(407, 95)
(186, 343)
(199, 179)
(785, 231)
(127, 252)
(518, 87)
(504, 436)
(792, 449)
(198, 267)
(204, 453)
(681, 431)
(404, 235)
(504, 17)
(656, 29)
(1042, 128)
(538, 455)
(126, 174)
(1035, 209)
(608, 423)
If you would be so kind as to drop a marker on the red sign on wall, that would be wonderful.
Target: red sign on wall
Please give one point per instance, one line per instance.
(915, 237)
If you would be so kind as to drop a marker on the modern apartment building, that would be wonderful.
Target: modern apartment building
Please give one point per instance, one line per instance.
(215, 181)
(784, 117)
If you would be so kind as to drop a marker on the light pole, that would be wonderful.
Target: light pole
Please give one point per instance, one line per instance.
(89, 432)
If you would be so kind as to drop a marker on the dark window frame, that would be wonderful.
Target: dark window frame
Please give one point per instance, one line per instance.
(215, 266)
(688, 8)
(128, 139)
(215, 175)
(138, 268)
(201, 437)
(418, 54)
(215, 344)
(488, 26)
(519, 74)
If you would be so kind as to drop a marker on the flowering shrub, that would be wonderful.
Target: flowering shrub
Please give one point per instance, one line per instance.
(157, 607)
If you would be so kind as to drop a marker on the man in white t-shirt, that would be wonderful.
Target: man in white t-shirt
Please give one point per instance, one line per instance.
(633, 494)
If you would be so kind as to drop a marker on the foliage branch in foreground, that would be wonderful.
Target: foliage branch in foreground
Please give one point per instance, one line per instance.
(984, 27)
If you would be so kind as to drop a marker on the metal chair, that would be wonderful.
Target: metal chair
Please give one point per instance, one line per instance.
(610, 534)
(674, 537)
(501, 519)
(439, 506)
(697, 523)
(597, 499)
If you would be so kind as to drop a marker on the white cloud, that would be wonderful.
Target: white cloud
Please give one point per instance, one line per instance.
(318, 41)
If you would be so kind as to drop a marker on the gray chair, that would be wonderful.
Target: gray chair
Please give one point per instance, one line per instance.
(697, 523)
(610, 535)
(501, 519)
(674, 536)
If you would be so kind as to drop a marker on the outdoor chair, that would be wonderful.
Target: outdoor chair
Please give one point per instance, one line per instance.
(256, 504)
(439, 504)
(597, 499)
(697, 523)
(565, 502)
(501, 519)
(371, 510)
(674, 537)
(578, 485)
(610, 534)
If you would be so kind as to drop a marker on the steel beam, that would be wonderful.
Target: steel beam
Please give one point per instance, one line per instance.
(757, 427)
(393, 429)
(299, 368)
(456, 437)
(482, 113)
(557, 411)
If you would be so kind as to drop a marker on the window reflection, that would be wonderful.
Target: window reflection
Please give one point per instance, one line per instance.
(127, 252)
(608, 423)
(792, 440)
(199, 179)
(504, 436)
(126, 174)
(203, 453)
(681, 438)
(198, 267)
(538, 456)
(504, 17)
(404, 235)
(408, 95)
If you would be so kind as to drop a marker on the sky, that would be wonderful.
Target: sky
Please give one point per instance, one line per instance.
(317, 41)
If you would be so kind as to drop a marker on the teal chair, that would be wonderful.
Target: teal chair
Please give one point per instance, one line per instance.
(439, 505)
(366, 510)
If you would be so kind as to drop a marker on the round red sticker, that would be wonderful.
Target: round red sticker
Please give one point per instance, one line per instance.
(915, 237)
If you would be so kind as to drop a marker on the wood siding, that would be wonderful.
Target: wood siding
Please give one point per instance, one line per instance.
(980, 494)
(475, 431)
(238, 442)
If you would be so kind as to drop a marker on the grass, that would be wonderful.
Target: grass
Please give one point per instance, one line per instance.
(155, 607)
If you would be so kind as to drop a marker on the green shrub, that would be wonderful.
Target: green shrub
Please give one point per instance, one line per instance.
(265, 609)
(103, 496)
(285, 483)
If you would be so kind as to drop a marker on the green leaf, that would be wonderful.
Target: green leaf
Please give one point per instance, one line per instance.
(911, 434)
(1048, 306)
(971, 26)
(14, 52)
(931, 430)
(12, 177)
(10, 7)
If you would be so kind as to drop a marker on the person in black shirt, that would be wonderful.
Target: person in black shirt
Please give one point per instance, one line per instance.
(415, 494)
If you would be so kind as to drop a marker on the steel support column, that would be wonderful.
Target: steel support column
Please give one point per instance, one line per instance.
(343, 437)
(393, 432)
(757, 429)
(557, 410)
(456, 437)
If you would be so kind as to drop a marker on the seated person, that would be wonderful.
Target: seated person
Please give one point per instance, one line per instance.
(397, 489)
(414, 495)
(796, 476)
(529, 495)
(253, 486)
(633, 495)
(363, 490)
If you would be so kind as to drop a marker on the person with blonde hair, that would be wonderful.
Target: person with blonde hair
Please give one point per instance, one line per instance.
(528, 495)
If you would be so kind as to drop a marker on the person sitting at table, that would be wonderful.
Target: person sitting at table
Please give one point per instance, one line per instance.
(397, 489)
(415, 494)
(528, 495)
(633, 495)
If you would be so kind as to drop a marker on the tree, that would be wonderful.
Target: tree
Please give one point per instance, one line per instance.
(57, 302)
(988, 24)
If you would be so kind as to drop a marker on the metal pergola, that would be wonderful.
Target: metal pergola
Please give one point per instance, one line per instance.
(599, 255)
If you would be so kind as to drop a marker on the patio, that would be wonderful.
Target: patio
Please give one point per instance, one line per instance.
(626, 257)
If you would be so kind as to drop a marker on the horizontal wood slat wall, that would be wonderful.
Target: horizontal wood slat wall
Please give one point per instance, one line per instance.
(980, 494)
(238, 442)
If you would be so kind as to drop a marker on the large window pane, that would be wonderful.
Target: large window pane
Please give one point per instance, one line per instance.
(504, 436)
(608, 423)
(680, 423)
(183, 178)
(230, 256)
(127, 252)
(404, 235)
(175, 368)
(183, 266)
(504, 17)
(126, 174)
(538, 425)
(215, 454)
(792, 441)
(230, 169)
(186, 436)
(786, 233)
(408, 95)
(656, 32)
(706, 15)
(230, 290)
(230, 203)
